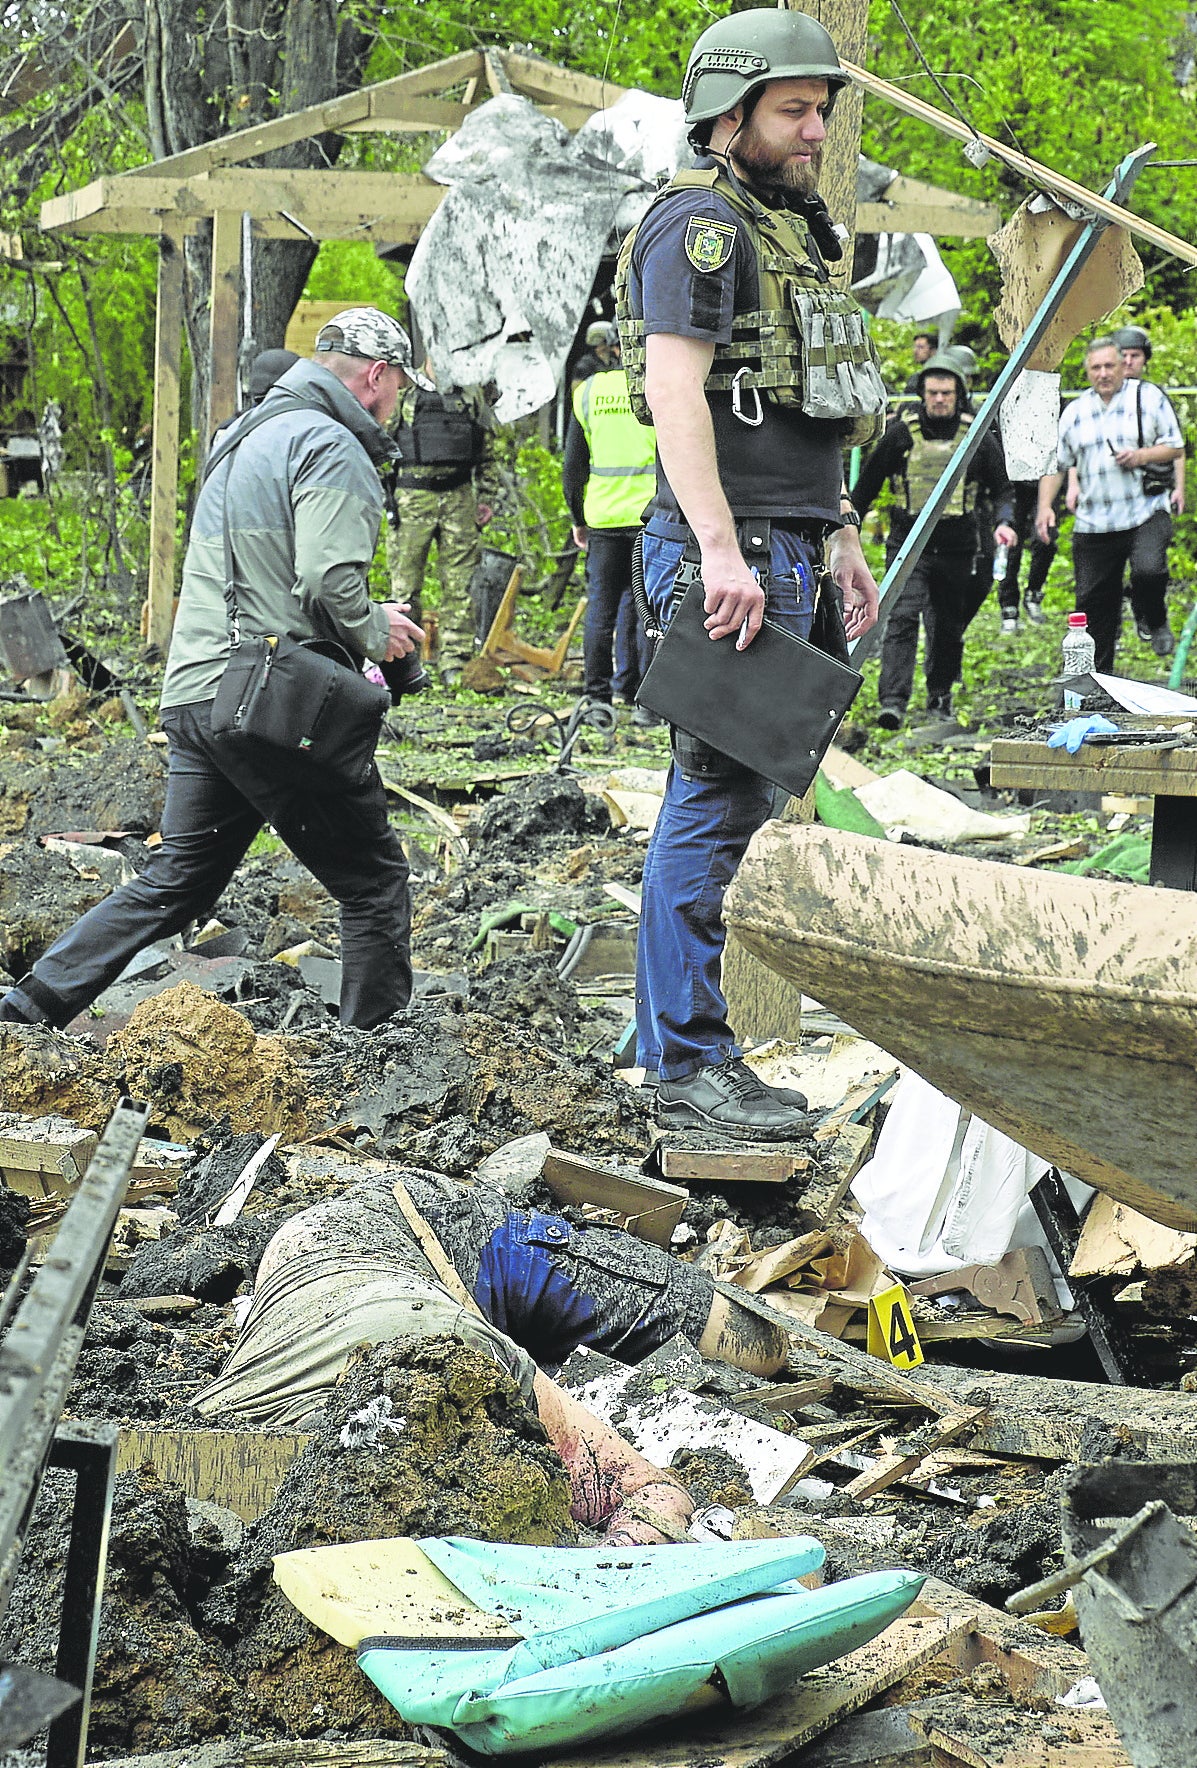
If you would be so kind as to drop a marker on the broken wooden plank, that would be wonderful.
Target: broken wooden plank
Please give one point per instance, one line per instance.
(963, 1728)
(899, 1465)
(1033, 1666)
(162, 1307)
(239, 1469)
(730, 1166)
(649, 1207)
(871, 1740)
(788, 1396)
(1047, 1420)
(238, 1753)
(767, 1736)
(434, 1252)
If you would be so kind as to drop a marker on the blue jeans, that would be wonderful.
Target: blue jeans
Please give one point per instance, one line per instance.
(702, 831)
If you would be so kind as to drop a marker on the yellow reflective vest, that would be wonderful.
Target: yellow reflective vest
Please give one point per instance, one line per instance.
(623, 452)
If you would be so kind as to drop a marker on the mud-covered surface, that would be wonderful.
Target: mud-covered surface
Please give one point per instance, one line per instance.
(41, 894)
(144, 1371)
(197, 1643)
(14, 1219)
(69, 781)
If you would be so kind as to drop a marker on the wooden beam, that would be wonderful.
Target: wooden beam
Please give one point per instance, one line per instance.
(1041, 177)
(539, 79)
(164, 483)
(397, 115)
(967, 221)
(224, 316)
(331, 205)
(315, 119)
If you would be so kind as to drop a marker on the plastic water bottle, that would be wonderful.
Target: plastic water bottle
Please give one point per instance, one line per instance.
(1079, 657)
(1000, 559)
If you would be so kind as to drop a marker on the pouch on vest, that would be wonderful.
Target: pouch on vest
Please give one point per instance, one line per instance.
(840, 379)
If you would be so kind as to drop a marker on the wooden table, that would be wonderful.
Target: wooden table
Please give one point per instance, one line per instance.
(1169, 776)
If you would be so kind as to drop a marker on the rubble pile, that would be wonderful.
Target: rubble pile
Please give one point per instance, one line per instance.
(501, 1075)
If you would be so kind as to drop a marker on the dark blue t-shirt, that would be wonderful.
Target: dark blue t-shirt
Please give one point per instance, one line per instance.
(789, 465)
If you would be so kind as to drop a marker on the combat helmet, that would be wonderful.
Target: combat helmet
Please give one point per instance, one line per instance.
(1133, 337)
(944, 363)
(741, 51)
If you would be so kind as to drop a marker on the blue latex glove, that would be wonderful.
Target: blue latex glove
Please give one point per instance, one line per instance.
(1070, 736)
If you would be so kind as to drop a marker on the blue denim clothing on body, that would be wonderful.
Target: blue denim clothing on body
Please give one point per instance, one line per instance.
(701, 834)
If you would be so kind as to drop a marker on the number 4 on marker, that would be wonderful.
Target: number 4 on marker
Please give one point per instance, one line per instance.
(891, 1329)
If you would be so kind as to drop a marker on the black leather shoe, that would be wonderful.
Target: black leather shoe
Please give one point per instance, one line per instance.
(729, 1098)
(788, 1095)
(1162, 641)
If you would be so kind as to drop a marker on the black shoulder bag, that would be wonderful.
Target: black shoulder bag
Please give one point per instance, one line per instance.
(1160, 476)
(305, 696)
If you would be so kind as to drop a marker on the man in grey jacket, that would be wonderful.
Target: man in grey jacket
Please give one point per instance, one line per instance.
(304, 504)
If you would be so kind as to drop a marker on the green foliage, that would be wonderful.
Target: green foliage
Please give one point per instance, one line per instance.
(349, 270)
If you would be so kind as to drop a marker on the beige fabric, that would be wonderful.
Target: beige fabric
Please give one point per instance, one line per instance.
(337, 1276)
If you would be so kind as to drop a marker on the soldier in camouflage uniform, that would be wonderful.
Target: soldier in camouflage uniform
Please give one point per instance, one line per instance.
(443, 492)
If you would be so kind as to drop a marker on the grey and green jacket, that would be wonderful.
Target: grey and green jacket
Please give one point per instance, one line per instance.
(305, 505)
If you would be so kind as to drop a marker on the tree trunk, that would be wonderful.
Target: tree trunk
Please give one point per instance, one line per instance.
(255, 60)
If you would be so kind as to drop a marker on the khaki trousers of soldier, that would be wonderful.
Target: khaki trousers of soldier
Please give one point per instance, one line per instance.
(446, 517)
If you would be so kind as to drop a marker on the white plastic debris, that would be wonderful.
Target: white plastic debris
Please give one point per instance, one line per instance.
(363, 1430)
(1084, 1694)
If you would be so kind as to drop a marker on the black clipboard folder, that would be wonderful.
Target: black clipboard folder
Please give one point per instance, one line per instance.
(773, 707)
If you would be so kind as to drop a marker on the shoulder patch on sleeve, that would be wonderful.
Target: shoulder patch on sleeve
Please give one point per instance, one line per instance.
(709, 244)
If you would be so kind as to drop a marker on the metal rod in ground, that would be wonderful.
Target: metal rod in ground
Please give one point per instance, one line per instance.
(916, 541)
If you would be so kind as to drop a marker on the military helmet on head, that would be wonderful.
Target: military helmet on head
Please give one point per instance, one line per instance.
(1133, 337)
(740, 52)
(964, 356)
(944, 363)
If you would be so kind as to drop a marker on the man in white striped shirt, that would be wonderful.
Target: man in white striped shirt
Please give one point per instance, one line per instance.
(1118, 521)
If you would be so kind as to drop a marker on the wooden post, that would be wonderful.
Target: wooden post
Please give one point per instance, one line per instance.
(164, 492)
(848, 22)
(224, 317)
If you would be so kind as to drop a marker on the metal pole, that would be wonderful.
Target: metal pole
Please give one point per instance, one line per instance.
(913, 546)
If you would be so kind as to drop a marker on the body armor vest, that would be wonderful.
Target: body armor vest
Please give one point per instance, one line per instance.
(923, 469)
(439, 442)
(805, 346)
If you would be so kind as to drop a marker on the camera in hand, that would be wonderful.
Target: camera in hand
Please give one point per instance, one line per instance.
(405, 675)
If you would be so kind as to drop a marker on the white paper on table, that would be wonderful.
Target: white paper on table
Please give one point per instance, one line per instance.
(1142, 696)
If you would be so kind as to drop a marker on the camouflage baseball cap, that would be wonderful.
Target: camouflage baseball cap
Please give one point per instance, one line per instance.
(373, 335)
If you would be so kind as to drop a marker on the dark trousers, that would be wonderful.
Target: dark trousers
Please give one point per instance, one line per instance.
(937, 592)
(610, 608)
(1026, 502)
(220, 791)
(1098, 562)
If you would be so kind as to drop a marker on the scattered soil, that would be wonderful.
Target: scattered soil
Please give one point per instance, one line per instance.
(468, 1459)
(195, 1059)
(41, 894)
(140, 1372)
(99, 783)
(14, 1218)
(46, 1073)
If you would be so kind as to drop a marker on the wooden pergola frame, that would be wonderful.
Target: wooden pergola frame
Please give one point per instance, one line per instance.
(176, 196)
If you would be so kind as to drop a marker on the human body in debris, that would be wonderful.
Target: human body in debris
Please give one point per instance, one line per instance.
(350, 1272)
(284, 531)
(756, 374)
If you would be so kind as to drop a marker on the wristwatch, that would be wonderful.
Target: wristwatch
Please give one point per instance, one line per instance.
(849, 518)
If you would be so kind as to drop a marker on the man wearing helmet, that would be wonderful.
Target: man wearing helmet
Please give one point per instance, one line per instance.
(912, 454)
(757, 373)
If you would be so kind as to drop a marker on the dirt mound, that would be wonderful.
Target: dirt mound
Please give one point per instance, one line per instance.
(468, 1459)
(134, 1370)
(213, 1264)
(526, 990)
(158, 1681)
(44, 1072)
(549, 804)
(41, 895)
(14, 1217)
(197, 1061)
(105, 785)
(435, 1063)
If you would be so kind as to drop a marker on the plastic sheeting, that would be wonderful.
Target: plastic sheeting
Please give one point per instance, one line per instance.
(501, 275)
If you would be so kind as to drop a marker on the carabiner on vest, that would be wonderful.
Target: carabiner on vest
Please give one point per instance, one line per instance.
(737, 400)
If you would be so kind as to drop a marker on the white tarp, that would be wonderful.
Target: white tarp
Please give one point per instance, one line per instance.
(501, 274)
